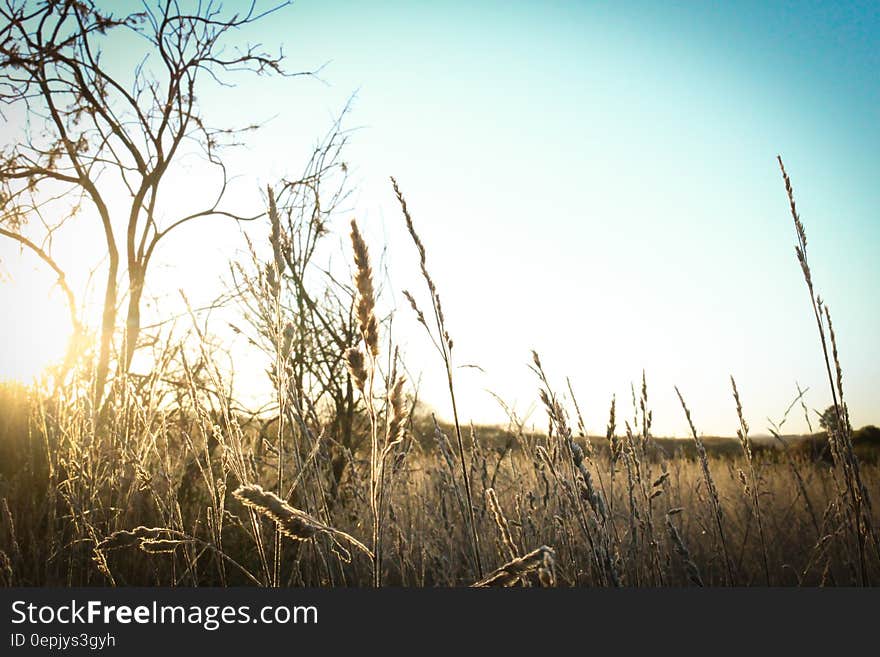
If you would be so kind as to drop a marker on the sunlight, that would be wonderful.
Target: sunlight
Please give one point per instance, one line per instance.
(226, 362)
(35, 328)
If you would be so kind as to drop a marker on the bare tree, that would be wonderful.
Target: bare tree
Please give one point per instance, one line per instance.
(90, 135)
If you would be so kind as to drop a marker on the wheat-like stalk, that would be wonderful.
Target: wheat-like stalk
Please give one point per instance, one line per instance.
(501, 524)
(842, 435)
(276, 269)
(293, 523)
(444, 344)
(366, 300)
(357, 367)
(123, 538)
(363, 370)
(399, 414)
(753, 488)
(542, 560)
(693, 572)
(710, 485)
(156, 540)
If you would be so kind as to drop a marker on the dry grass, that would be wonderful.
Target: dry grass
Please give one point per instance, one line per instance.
(175, 483)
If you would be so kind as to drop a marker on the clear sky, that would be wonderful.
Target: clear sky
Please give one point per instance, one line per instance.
(596, 181)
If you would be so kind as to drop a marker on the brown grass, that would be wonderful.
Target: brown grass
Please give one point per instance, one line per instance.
(180, 484)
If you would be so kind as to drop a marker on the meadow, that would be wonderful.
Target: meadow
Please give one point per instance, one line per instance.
(346, 479)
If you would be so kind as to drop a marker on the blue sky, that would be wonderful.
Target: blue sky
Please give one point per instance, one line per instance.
(597, 181)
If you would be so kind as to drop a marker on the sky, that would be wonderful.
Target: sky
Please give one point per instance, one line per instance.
(595, 181)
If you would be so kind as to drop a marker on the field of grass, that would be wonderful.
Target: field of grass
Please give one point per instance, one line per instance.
(344, 482)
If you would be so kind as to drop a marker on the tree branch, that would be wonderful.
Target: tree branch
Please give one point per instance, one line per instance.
(62, 278)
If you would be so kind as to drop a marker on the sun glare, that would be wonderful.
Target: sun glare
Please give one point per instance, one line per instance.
(34, 331)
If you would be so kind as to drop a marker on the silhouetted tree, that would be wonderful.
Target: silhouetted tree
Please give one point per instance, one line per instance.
(828, 419)
(91, 135)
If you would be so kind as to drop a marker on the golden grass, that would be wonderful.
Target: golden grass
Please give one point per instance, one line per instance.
(170, 484)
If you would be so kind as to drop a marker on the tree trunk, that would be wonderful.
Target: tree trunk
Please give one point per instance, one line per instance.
(108, 324)
(133, 317)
